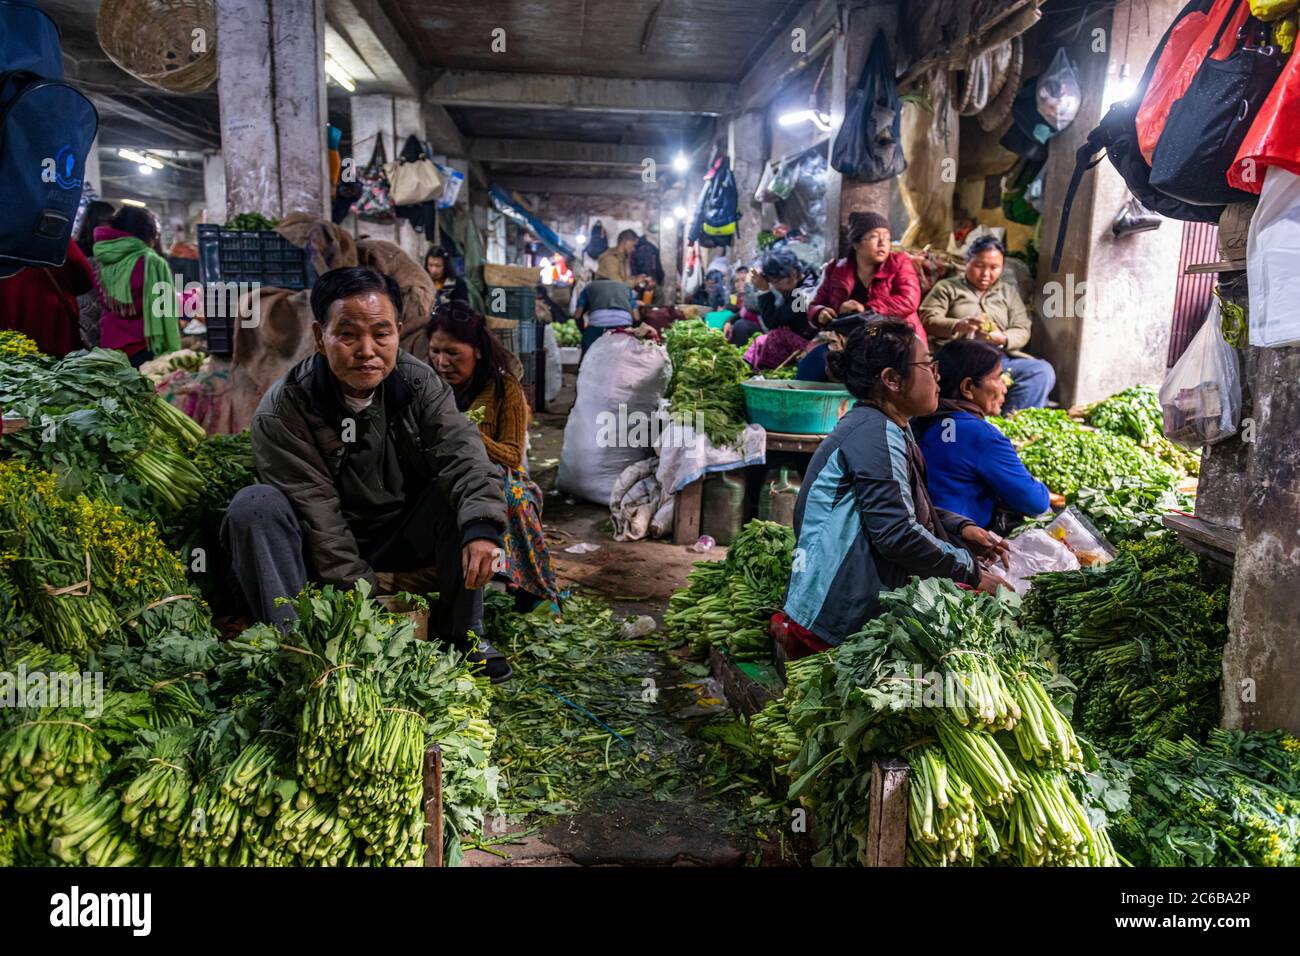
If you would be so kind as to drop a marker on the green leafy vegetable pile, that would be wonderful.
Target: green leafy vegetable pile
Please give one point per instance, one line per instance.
(567, 334)
(96, 422)
(1143, 641)
(707, 372)
(1135, 413)
(948, 680)
(1233, 801)
(1128, 510)
(728, 603)
(299, 749)
(250, 222)
(1068, 460)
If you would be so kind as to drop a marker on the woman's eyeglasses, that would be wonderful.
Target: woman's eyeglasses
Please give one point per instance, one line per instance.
(931, 364)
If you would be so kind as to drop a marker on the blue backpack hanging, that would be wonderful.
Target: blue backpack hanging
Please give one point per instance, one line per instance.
(46, 131)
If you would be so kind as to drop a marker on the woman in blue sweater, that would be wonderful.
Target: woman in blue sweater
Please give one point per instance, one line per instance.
(973, 467)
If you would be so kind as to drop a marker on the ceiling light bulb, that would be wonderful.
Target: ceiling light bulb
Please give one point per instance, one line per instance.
(681, 163)
(340, 75)
(679, 212)
(145, 169)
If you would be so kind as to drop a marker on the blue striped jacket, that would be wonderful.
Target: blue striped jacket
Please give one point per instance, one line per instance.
(862, 529)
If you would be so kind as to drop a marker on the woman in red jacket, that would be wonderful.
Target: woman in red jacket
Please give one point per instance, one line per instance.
(872, 279)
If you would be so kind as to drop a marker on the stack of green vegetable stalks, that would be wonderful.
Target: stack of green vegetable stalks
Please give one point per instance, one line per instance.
(298, 749)
(97, 424)
(729, 603)
(1142, 639)
(948, 680)
(1233, 801)
(707, 372)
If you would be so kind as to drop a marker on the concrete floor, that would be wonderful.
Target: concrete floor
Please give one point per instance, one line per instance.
(635, 578)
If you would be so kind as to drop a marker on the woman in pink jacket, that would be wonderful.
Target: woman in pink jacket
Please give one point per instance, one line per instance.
(872, 279)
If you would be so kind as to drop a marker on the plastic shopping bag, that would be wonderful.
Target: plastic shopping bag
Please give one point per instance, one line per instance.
(1201, 395)
(1272, 250)
(1036, 552)
(1059, 93)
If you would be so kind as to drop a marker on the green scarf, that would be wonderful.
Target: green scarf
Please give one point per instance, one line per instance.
(117, 259)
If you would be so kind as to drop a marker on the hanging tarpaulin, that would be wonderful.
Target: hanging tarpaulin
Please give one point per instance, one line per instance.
(511, 206)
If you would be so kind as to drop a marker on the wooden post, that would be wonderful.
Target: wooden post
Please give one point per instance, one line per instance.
(887, 814)
(686, 513)
(433, 806)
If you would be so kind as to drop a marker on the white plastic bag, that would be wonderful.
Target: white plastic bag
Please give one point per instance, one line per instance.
(1036, 552)
(554, 365)
(1058, 92)
(1272, 251)
(1201, 394)
(620, 383)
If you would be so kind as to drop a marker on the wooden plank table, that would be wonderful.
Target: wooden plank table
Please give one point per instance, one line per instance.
(690, 500)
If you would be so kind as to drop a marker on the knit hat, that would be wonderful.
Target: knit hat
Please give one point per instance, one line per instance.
(861, 223)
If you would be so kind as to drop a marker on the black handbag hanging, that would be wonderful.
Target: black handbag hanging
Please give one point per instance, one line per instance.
(1207, 124)
(867, 147)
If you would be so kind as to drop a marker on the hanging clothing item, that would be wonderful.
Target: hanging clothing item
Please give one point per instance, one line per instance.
(597, 241)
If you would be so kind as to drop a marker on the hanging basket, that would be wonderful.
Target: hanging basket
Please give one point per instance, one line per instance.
(154, 41)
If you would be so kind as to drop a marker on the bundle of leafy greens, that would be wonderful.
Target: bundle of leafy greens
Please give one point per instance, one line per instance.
(250, 222)
(1224, 803)
(1127, 510)
(303, 748)
(948, 680)
(707, 372)
(728, 603)
(96, 423)
(1143, 641)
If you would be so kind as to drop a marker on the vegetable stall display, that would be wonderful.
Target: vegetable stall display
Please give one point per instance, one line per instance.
(950, 681)
(707, 372)
(1142, 639)
(299, 748)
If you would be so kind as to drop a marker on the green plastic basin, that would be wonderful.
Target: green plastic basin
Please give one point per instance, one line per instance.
(798, 408)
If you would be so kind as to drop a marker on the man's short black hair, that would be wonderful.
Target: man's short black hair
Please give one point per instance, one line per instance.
(348, 282)
(627, 234)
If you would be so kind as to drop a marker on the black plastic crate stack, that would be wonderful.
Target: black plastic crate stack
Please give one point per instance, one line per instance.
(263, 257)
(524, 339)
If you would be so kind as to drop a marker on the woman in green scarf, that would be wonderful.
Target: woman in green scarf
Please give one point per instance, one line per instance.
(136, 288)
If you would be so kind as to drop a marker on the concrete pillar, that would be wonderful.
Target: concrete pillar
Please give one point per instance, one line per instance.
(747, 138)
(393, 118)
(214, 188)
(271, 87)
(93, 181)
(1087, 324)
(671, 241)
(834, 180)
(1261, 664)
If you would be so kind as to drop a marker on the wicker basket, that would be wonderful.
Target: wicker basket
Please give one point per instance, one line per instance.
(153, 41)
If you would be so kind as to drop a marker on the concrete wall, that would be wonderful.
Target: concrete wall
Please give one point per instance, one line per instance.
(1121, 333)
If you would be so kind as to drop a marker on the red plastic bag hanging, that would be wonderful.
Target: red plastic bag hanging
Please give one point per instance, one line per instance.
(1180, 60)
(1274, 137)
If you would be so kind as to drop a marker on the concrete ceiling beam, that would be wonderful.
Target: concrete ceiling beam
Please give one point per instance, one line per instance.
(577, 187)
(561, 153)
(378, 44)
(781, 61)
(480, 88)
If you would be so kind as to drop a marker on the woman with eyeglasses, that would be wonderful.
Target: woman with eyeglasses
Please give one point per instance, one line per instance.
(864, 520)
(468, 357)
(973, 468)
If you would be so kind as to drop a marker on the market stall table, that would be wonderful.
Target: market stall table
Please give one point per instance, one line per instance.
(686, 515)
